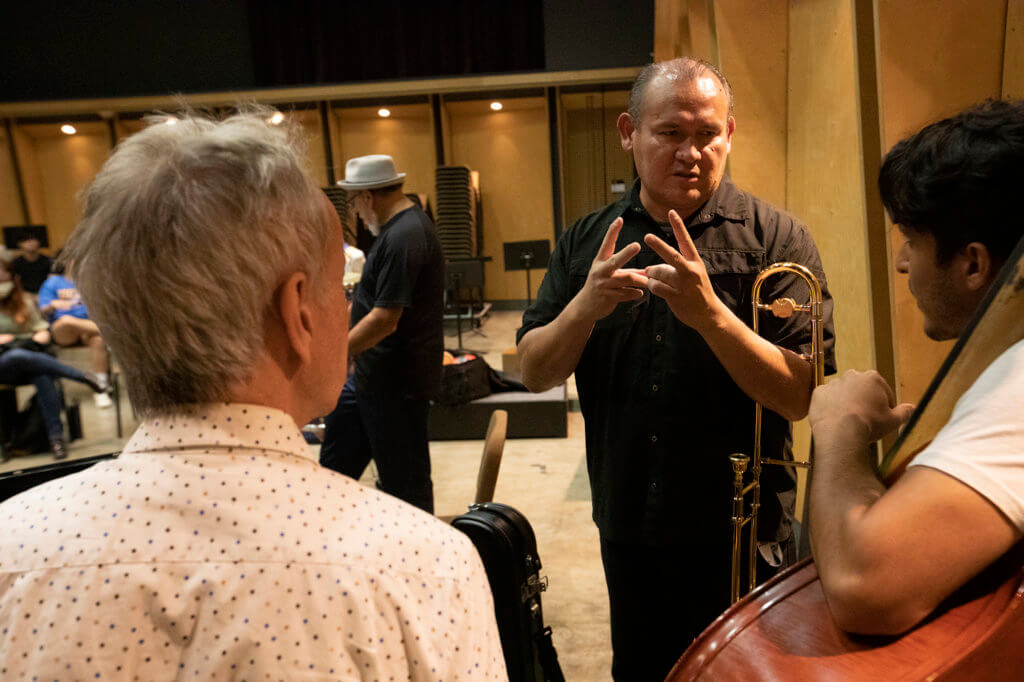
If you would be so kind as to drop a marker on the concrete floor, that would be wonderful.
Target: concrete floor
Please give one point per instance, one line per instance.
(543, 478)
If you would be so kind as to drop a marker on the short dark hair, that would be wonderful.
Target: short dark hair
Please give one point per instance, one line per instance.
(959, 179)
(688, 68)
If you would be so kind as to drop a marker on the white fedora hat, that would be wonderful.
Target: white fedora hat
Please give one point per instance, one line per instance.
(370, 172)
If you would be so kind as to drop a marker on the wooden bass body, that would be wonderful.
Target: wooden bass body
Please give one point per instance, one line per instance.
(784, 631)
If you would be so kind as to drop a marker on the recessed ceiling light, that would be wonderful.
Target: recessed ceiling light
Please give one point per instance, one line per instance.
(383, 113)
(277, 118)
(496, 106)
(68, 129)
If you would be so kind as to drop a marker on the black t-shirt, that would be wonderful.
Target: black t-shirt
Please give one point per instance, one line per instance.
(404, 269)
(32, 273)
(662, 414)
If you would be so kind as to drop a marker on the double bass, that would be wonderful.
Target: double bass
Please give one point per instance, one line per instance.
(783, 630)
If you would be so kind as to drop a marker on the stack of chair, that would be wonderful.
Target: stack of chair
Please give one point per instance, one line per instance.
(456, 212)
(340, 199)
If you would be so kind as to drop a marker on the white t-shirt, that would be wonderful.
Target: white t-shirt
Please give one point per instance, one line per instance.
(982, 445)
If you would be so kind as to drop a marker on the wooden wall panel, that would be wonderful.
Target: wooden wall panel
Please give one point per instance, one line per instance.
(1013, 51)
(32, 181)
(66, 164)
(584, 149)
(510, 149)
(593, 157)
(316, 164)
(618, 164)
(824, 184)
(10, 202)
(932, 64)
(757, 70)
(685, 27)
(407, 136)
(128, 127)
(671, 29)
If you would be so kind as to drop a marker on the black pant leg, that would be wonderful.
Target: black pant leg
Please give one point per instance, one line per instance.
(397, 431)
(660, 598)
(346, 448)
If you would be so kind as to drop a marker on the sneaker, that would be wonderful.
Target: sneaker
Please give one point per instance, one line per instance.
(93, 381)
(60, 451)
(103, 400)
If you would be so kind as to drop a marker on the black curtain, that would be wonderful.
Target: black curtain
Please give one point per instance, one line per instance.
(337, 41)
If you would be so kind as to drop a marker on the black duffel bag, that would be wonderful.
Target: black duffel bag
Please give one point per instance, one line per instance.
(466, 379)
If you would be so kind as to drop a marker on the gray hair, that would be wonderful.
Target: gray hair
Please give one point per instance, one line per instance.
(686, 69)
(187, 232)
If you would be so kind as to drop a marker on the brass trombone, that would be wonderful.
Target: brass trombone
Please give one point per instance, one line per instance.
(783, 308)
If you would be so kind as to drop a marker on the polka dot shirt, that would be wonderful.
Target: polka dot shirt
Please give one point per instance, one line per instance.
(216, 548)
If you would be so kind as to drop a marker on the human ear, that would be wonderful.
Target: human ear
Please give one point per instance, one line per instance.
(626, 129)
(294, 302)
(977, 266)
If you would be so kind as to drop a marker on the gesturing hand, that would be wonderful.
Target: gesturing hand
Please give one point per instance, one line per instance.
(608, 283)
(682, 280)
(864, 396)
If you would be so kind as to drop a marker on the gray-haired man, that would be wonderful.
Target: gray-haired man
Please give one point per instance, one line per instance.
(215, 546)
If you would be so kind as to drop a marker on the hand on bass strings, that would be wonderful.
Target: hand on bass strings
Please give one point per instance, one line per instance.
(863, 401)
(682, 280)
(608, 283)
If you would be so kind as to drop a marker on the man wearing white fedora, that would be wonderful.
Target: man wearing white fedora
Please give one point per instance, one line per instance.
(396, 340)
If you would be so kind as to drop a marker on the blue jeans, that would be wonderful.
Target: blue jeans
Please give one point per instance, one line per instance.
(19, 367)
(390, 431)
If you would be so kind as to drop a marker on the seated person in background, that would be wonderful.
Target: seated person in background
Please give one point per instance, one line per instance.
(24, 337)
(70, 325)
(32, 267)
(215, 546)
(888, 557)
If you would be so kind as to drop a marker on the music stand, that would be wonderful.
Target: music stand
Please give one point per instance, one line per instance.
(526, 256)
(458, 274)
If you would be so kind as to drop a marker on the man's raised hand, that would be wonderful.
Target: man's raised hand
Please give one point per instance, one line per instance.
(862, 396)
(682, 280)
(608, 283)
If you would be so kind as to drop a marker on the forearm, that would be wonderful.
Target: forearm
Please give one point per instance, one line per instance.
(777, 378)
(848, 547)
(843, 489)
(369, 331)
(549, 354)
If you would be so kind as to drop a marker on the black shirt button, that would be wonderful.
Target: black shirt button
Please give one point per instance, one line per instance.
(654, 439)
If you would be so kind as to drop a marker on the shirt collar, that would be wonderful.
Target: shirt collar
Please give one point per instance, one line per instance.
(727, 203)
(224, 426)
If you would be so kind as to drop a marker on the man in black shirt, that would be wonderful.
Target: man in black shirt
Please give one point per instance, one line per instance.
(396, 340)
(667, 365)
(31, 267)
